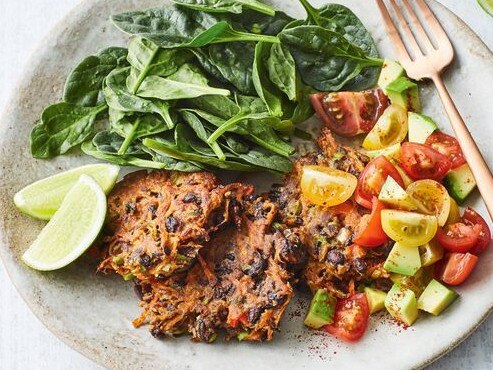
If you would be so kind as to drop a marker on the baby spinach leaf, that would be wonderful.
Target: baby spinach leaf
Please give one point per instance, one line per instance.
(219, 106)
(62, 127)
(266, 159)
(84, 84)
(342, 20)
(147, 59)
(119, 98)
(282, 70)
(179, 27)
(231, 6)
(195, 123)
(110, 142)
(173, 151)
(263, 85)
(325, 59)
(137, 126)
(261, 23)
(171, 164)
(235, 63)
(234, 121)
(186, 83)
(89, 148)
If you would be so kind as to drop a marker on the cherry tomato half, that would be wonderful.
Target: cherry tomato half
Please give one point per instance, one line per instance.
(456, 268)
(350, 113)
(422, 162)
(458, 237)
(471, 217)
(448, 146)
(369, 232)
(350, 318)
(372, 179)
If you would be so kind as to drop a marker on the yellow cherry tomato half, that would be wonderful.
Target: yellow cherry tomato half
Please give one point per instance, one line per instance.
(327, 186)
(391, 128)
(410, 229)
(454, 215)
(431, 198)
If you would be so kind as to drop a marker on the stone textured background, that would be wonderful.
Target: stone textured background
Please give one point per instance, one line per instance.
(24, 342)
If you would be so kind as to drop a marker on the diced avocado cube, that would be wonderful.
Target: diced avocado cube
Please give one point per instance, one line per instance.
(405, 178)
(401, 304)
(393, 195)
(460, 183)
(391, 70)
(420, 127)
(416, 283)
(430, 253)
(391, 152)
(376, 299)
(404, 92)
(436, 298)
(403, 260)
(321, 311)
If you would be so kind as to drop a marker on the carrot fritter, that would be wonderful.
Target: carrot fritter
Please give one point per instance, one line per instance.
(240, 284)
(334, 263)
(158, 221)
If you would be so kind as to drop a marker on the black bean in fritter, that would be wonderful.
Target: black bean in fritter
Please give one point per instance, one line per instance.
(336, 257)
(203, 329)
(222, 291)
(257, 267)
(156, 332)
(330, 230)
(172, 224)
(293, 252)
(222, 269)
(275, 299)
(230, 256)
(191, 198)
(254, 314)
(360, 265)
(153, 209)
(130, 208)
(145, 260)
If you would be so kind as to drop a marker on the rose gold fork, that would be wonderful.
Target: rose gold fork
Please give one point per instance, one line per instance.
(428, 61)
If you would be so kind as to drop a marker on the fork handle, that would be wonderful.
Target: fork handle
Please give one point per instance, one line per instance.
(479, 168)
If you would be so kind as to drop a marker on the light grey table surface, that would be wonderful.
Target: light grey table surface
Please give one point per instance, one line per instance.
(24, 342)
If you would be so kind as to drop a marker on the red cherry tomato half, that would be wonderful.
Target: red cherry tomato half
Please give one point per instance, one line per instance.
(471, 217)
(458, 237)
(422, 162)
(369, 232)
(350, 113)
(456, 268)
(350, 318)
(448, 146)
(372, 179)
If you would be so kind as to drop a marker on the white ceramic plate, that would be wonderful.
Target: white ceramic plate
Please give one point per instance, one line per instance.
(92, 313)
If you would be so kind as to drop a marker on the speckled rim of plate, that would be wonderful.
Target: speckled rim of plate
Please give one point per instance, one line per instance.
(28, 76)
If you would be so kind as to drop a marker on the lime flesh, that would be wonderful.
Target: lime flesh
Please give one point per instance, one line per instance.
(72, 229)
(43, 198)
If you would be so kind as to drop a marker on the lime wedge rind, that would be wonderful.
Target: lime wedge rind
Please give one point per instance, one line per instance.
(43, 198)
(487, 6)
(72, 230)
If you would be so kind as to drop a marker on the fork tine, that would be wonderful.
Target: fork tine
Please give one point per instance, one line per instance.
(393, 32)
(419, 27)
(433, 22)
(403, 22)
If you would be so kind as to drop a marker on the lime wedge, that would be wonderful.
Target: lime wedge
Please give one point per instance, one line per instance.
(487, 5)
(43, 198)
(72, 229)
